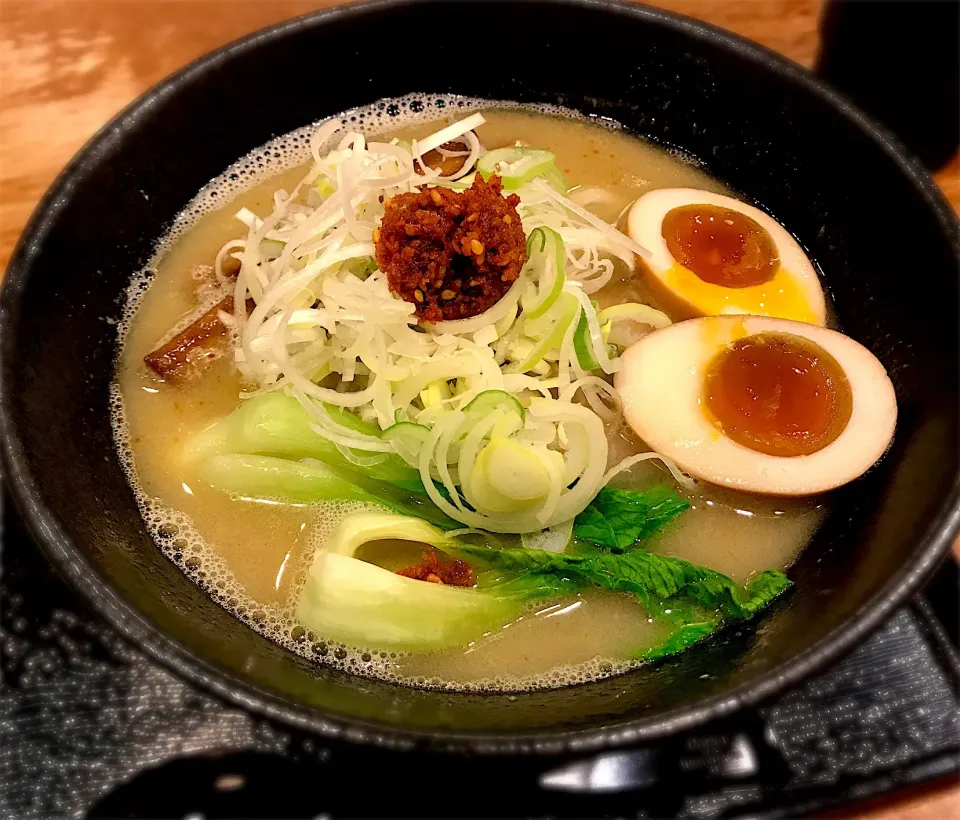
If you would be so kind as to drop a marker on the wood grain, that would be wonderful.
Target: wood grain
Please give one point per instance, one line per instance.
(67, 66)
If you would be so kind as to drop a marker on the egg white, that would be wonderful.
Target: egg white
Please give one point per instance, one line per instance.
(661, 385)
(793, 293)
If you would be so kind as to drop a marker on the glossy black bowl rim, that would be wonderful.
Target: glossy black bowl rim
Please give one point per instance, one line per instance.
(71, 564)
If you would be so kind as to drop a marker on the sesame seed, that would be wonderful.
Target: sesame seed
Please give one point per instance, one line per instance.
(476, 247)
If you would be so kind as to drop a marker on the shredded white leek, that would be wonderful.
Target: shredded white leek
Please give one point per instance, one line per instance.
(596, 222)
(327, 329)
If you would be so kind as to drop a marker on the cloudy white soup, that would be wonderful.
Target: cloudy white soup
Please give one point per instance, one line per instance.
(469, 395)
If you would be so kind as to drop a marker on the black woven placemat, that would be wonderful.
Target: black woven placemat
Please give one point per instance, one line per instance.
(89, 727)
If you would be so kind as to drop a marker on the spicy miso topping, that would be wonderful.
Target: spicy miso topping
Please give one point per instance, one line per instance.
(455, 573)
(452, 254)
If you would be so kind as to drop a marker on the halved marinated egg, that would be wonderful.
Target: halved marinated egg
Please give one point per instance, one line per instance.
(714, 255)
(761, 404)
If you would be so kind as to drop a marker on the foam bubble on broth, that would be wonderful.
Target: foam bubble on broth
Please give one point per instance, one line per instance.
(175, 532)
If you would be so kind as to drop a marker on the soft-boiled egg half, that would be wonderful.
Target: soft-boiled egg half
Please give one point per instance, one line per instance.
(760, 404)
(713, 255)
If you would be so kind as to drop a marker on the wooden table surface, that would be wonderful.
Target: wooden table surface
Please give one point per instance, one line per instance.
(67, 66)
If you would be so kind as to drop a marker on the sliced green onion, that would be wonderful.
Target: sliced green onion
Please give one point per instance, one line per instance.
(271, 249)
(582, 343)
(407, 438)
(489, 400)
(626, 323)
(546, 262)
(435, 393)
(513, 470)
(324, 187)
(517, 166)
(566, 309)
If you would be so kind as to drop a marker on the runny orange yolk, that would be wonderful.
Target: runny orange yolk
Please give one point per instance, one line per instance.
(777, 394)
(721, 246)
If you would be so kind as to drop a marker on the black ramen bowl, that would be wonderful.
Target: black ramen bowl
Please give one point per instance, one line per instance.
(868, 215)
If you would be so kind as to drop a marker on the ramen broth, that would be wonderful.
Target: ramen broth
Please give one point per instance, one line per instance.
(252, 555)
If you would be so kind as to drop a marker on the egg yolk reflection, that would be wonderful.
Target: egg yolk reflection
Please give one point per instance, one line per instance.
(721, 246)
(777, 394)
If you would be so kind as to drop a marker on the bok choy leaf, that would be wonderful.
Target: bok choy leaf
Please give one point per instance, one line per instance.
(696, 599)
(618, 519)
(275, 424)
(309, 481)
(359, 603)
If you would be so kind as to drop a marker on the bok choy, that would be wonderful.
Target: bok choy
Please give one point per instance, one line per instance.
(310, 481)
(361, 604)
(275, 424)
(349, 600)
(696, 600)
(383, 609)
